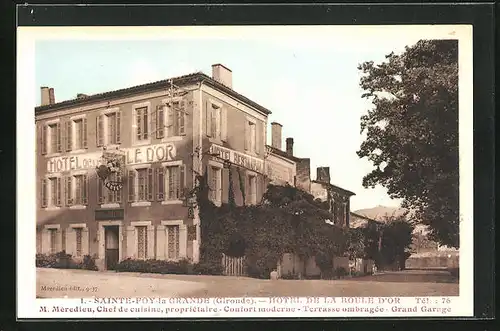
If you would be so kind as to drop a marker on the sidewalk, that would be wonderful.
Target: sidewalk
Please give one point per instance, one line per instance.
(60, 283)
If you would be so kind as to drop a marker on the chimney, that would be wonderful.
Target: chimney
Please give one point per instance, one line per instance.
(223, 75)
(323, 174)
(45, 100)
(276, 135)
(289, 146)
(52, 98)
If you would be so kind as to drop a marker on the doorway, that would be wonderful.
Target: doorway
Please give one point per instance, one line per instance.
(111, 246)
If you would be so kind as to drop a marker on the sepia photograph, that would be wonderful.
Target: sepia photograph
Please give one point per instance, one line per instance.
(283, 162)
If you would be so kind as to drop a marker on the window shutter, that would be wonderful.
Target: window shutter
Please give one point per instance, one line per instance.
(85, 190)
(118, 127)
(59, 191)
(145, 123)
(170, 121)
(247, 133)
(215, 125)
(150, 186)
(43, 139)
(99, 130)
(69, 190)
(208, 118)
(131, 185)
(69, 136)
(182, 118)
(182, 181)
(257, 137)
(160, 187)
(84, 133)
(119, 192)
(223, 130)
(43, 193)
(100, 191)
(160, 122)
(59, 137)
(138, 123)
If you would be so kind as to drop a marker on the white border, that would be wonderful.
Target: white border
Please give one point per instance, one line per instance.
(27, 305)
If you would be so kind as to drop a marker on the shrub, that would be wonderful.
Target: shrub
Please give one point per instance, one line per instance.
(341, 272)
(181, 267)
(88, 263)
(59, 260)
(46, 261)
(204, 268)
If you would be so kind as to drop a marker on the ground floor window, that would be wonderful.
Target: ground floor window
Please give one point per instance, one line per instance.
(173, 242)
(53, 240)
(78, 234)
(142, 242)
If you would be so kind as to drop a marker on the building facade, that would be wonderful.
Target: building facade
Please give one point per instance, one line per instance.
(166, 133)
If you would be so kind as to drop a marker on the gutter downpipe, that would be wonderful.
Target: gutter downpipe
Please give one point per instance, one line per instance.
(196, 246)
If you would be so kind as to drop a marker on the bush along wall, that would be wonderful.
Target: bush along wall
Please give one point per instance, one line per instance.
(181, 267)
(62, 260)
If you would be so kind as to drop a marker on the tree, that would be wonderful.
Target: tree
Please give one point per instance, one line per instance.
(397, 238)
(412, 133)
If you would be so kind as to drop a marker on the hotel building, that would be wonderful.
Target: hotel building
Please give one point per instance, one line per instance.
(168, 131)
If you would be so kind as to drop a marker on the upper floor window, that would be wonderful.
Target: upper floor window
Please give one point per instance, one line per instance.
(251, 136)
(140, 185)
(216, 118)
(171, 119)
(141, 124)
(50, 191)
(170, 183)
(215, 183)
(76, 134)
(104, 195)
(76, 192)
(108, 128)
(51, 138)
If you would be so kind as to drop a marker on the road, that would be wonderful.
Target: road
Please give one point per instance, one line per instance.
(81, 283)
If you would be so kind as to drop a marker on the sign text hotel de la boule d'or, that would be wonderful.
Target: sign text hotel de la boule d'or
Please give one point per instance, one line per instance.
(133, 155)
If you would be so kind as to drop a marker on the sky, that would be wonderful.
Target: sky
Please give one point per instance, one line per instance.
(309, 81)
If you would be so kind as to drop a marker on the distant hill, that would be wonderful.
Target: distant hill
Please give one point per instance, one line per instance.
(379, 213)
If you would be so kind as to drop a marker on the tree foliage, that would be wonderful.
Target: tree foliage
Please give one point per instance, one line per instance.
(412, 132)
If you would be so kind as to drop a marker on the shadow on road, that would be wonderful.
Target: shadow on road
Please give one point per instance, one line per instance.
(412, 276)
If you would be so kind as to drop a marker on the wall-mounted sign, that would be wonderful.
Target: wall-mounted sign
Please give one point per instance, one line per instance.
(133, 155)
(238, 158)
(109, 214)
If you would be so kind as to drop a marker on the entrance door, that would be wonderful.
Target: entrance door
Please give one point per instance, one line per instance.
(111, 235)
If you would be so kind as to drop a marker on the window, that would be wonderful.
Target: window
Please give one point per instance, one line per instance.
(173, 242)
(78, 234)
(50, 138)
(142, 124)
(51, 192)
(140, 184)
(216, 121)
(251, 136)
(252, 189)
(142, 242)
(105, 195)
(76, 190)
(108, 128)
(76, 134)
(173, 118)
(215, 181)
(170, 183)
(53, 240)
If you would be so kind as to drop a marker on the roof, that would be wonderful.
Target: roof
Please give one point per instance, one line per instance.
(158, 85)
(281, 153)
(338, 188)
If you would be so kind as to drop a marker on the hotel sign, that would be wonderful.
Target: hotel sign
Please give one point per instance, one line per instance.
(109, 214)
(243, 160)
(134, 155)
